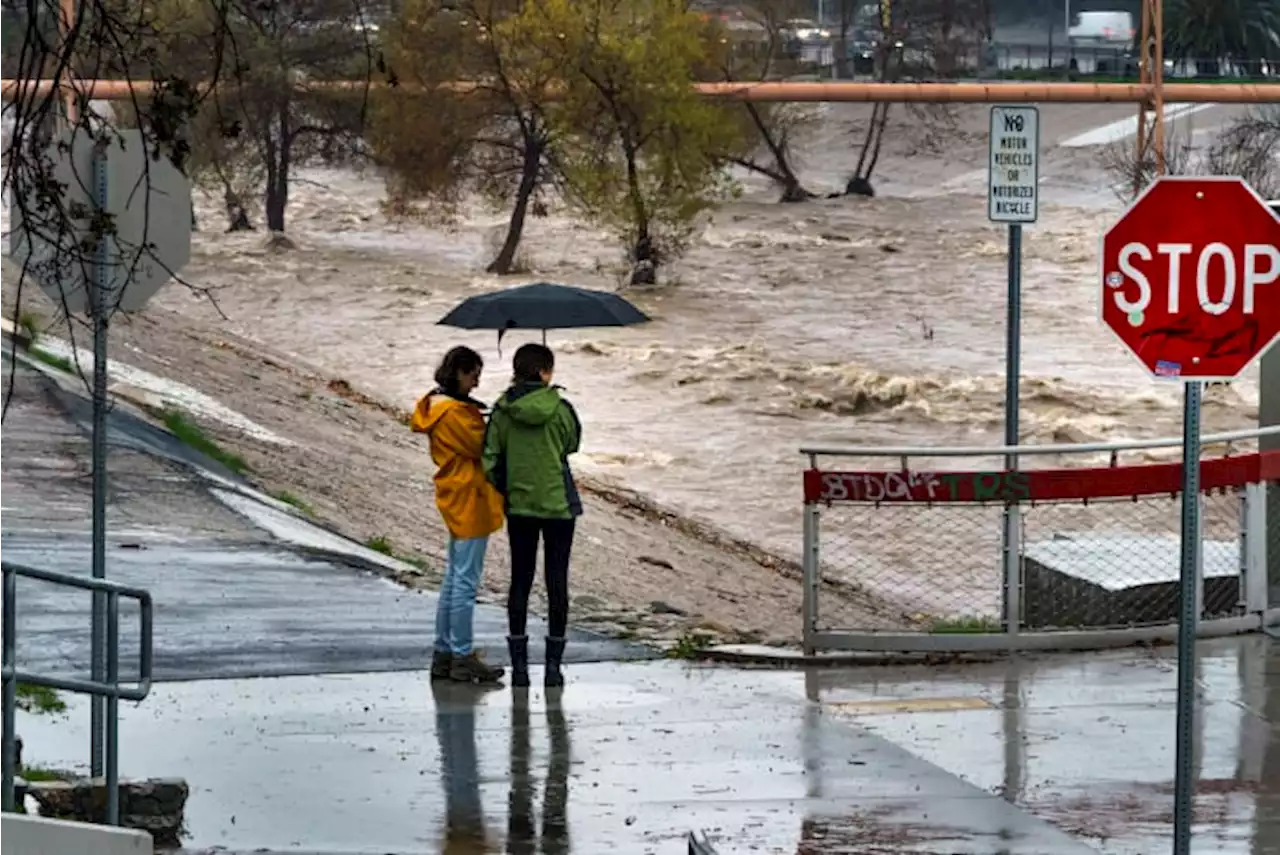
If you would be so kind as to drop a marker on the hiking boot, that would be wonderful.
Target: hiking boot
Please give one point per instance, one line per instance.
(518, 647)
(473, 669)
(555, 652)
(441, 663)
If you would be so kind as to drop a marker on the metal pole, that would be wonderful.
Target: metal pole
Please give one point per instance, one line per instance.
(1184, 783)
(809, 594)
(10, 737)
(100, 308)
(1010, 551)
(113, 709)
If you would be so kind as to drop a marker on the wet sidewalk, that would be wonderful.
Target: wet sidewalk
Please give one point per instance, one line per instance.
(1087, 742)
(242, 587)
(627, 759)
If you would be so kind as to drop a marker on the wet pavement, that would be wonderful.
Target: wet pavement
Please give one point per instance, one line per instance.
(1087, 743)
(238, 588)
(628, 758)
(359, 754)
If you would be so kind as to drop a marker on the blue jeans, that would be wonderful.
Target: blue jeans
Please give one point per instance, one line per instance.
(456, 609)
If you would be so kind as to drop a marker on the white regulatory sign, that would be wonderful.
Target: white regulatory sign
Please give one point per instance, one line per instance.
(1013, 192)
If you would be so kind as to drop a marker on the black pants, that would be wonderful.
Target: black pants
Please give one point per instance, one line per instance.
(557, 543)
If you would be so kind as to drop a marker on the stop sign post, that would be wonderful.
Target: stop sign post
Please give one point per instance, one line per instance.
(147, 202)
(1190, 284)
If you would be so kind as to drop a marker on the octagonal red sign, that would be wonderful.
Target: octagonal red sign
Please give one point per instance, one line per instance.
(1190, 277)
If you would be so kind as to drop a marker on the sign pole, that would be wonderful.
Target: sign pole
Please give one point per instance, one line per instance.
(99, 310)
(1013, 198)
(1184, 776)
(1013, 373)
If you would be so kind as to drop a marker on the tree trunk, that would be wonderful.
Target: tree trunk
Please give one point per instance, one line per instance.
(645, 269)
(278, 162)
(792, 190)
(515, 228)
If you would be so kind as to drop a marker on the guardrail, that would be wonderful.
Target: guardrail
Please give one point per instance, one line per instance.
(1089, 558)
(110, 688)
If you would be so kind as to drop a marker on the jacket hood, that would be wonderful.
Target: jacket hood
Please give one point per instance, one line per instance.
(531, 403)
(434, 405)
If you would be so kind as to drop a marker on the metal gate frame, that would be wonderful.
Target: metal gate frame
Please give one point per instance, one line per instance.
(110, 688)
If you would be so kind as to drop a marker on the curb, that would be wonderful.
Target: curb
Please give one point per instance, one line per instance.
(786, 658)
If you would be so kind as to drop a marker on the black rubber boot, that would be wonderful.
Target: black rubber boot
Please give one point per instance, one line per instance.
(518, 647)
(555, 653)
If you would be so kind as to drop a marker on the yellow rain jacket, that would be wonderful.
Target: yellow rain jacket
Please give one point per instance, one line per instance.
(471, 507)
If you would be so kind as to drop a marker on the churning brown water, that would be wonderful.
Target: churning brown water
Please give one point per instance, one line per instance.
(849, 320)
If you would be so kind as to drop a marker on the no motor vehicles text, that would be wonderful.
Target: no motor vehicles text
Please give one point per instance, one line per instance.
(1219, 273)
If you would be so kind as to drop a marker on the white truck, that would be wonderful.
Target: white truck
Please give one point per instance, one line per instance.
(1102, 29)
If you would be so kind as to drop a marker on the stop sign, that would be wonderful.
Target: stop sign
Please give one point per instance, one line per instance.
(1191, 277)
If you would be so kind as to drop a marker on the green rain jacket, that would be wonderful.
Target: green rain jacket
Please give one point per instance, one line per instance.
(527, 444)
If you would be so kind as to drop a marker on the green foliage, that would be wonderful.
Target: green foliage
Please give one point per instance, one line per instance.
(690, 645)
(437, 143)
(1242, 31)
(29, 323)
(61, 363)
(39, 699)
(190, 434)
(635, 142)
(295, 501)
(966, 625)
(381, 543)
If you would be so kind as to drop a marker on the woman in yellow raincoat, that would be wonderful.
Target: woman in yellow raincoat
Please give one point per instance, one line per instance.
(471, 507)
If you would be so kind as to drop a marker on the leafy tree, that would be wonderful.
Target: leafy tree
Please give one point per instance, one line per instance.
(264, 121)
(769, 131)
(635, 142)
(1242, 32)
(437, 143)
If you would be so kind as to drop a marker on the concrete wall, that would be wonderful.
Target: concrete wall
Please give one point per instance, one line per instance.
(34, 835)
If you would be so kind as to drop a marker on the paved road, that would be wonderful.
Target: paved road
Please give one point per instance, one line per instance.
(230, 601)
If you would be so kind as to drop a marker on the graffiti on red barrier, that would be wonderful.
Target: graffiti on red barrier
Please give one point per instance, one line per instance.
(925, 486)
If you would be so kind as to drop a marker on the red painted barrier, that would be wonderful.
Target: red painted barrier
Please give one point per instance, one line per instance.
(1038, 485)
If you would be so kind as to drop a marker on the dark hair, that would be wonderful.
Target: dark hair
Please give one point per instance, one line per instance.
(530, 361)
(458, 360)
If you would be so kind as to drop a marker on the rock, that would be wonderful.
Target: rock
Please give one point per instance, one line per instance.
(658, 607)
(154, 805)
(587, 602)
(656, 562)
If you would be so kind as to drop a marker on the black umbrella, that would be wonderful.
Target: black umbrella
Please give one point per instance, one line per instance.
(543, 306)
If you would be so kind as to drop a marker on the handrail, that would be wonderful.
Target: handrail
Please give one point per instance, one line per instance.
(814, 451)
(110, 688)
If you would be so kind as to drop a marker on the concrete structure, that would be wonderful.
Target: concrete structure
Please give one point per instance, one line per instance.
(33, 835)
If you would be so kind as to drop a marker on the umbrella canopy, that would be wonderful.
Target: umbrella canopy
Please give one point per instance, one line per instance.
(543, 306)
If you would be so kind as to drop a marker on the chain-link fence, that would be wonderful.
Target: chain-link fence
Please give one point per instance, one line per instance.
(859, 58)
(1094, 565)
(931, 547)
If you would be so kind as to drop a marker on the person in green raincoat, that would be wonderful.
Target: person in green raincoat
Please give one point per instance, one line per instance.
(531, 433)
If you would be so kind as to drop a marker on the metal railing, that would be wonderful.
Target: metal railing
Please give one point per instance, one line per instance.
(110, 688)
(1090, 560)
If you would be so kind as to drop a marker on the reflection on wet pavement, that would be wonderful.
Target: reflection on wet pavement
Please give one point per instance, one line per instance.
(629, 759)
(1052, 755)
(1087, 743)
(465, 830)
